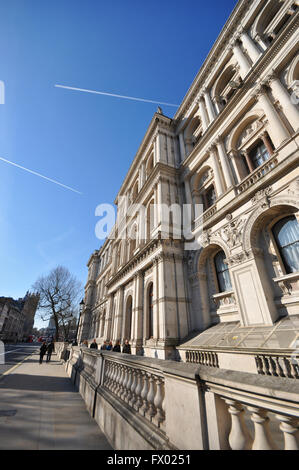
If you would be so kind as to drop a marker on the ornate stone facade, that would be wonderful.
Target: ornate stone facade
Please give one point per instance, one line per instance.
(232, 147)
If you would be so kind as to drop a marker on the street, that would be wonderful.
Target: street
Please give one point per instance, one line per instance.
(15, 353)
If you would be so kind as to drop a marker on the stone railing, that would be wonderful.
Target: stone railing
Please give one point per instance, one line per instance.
(277, 365)
(224, 299)
(206, 358)
(258, 173)
(252, 419)
(145, 403)
(143, 391)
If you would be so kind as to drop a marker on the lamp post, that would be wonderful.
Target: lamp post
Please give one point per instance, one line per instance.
(81, 308)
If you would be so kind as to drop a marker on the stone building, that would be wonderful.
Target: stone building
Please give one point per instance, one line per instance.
(17, 317)
(232, 147)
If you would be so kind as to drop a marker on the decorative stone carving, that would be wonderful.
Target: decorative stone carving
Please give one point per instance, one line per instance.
(232, 233)
(262, 197)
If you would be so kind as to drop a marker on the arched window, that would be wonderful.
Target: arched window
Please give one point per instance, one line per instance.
(222, 272)
(286, 233)
(150, 311)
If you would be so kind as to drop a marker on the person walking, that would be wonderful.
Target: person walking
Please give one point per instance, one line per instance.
(109, 347)
(104, 346)
(42, 352)
(127, 347)
(50, 349)
(116, 347)
(94, 345)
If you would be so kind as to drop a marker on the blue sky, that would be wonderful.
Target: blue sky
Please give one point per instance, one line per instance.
(148, 49)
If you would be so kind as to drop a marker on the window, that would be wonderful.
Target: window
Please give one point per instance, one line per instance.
(286, 233)
(150, 312)
(209, 197)
(259, 155)
(222, 272)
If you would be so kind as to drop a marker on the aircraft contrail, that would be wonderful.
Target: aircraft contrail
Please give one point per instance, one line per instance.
(38, 174)
(115, 96)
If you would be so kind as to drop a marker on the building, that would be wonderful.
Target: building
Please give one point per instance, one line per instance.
(17, 317)
(231, 147)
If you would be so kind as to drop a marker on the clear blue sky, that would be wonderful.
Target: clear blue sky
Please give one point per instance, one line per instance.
(148, 49)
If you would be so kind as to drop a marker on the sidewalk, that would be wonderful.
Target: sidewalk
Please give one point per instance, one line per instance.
(40, 410)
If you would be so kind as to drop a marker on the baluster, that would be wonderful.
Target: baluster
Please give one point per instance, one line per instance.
(133, 388)
(127, 392)
(259, 365)
(144, 393)
(113, 376)
(272, 366)
(239, 436)
(262, 437)
(289, 427)
(293, 367)
(284, 365)
(118, 379)
(150, 398)
(159, 418)
(124, 383)
(138, 389)
(266, 365)
(120, 387)
(279, 368)
(107, 370)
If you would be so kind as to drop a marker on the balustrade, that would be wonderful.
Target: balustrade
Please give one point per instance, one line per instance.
(277, 366)
(257, 174)
(240, 437)
(206, 358)
(140, 390)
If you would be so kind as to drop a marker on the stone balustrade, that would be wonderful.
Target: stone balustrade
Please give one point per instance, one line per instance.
(206, 358)
(277, 365)
(257, 174)
(146, 403)
(141, 390)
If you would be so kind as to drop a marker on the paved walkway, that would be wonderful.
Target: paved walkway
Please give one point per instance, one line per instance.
(40, 410)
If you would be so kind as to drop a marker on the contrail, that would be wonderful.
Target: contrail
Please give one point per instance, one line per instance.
(115, 96)
(38, 174)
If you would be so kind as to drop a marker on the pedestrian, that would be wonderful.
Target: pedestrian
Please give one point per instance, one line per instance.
(50, 349)
(85, 344)
(109, 346)
(116, 347)
(42, 352)
(104, 346)
(127, 347)
(94, 345)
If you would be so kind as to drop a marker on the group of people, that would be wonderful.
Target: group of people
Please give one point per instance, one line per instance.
(46, 348)
(108, 346)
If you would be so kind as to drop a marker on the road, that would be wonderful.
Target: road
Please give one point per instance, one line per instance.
(15, 353)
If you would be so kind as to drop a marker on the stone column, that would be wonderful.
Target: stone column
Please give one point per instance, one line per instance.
(228, 177)
(248, 161)
(217, 175)
(282, 95)
(279, 132)
(241, 59)
(157, 153)
(248, 43)
(118, 315)
(107, 328)
(155, 299)
(209, 105)
(138, 313)
(267, 143)
(182, 147)
(203, 114)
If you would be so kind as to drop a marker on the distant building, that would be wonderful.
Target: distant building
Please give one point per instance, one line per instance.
(17, 317)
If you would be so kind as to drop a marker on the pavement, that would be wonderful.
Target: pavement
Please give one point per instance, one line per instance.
(41, 410)
(13, 354)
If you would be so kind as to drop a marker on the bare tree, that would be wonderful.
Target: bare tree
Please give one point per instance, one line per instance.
(59, 297)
